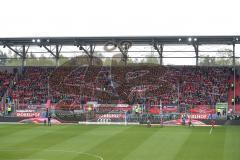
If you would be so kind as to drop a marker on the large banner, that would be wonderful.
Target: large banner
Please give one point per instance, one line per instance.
(40, 120)
(199, 116)
(202, 109)
(110, 115)
(108, 107)
(165, 109)
(196, 116)
(27, 113)
(170, 109)
(30, 107)
(195, 122)
(154, 110)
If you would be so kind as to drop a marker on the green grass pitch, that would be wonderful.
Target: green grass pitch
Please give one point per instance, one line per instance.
(92, 142)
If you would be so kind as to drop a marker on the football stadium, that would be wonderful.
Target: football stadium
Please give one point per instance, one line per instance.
(86, 96)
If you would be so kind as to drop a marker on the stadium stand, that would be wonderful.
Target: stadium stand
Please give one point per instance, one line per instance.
(130, 84)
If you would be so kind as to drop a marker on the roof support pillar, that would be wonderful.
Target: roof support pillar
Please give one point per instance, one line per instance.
(24, 55)
(58, 49)
(123, 48)
(196, 48)
(55, 53)
(89, 52)
(159, 48)
(14, 50)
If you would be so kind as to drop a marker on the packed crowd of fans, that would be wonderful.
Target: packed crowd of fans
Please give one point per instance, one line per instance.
(75, 85)
(32, 85)
(5, 80)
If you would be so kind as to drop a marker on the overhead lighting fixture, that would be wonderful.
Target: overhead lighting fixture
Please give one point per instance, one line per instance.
(195, 39)
(189, 39)
(179, 39)
(38, 40)
(236, 38)
(33, 40)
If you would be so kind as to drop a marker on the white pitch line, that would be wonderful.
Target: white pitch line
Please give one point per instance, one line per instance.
(210, 132)
(50, 150)
(31, 159)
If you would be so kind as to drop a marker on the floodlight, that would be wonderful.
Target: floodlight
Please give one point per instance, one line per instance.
(179, 39)
(33, 40)
(38, 40)
(195, 39)
(189, 39)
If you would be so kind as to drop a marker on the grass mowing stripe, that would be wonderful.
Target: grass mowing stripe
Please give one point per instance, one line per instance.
(8, 130)
(61, 153)
(62, 135)
(23, 135)
(90, 139)
(202, 146)
(121, 144)
(78, 131)
(232, 143)
(82, 143)
(46, 140)
(162, 145)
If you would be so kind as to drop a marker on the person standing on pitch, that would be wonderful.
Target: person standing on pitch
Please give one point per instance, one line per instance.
(148, 123)
(183, 120)
(190, 122)
(161, 121)
(49, 119)
(212, 123)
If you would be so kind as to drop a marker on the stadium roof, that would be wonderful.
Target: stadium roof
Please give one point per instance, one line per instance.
(139, 40)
